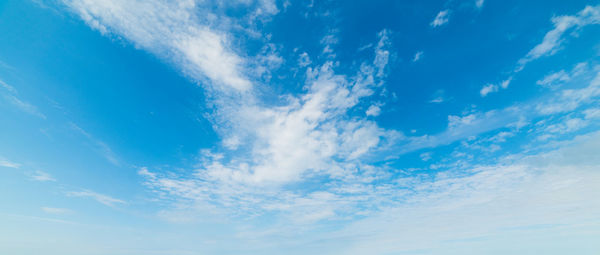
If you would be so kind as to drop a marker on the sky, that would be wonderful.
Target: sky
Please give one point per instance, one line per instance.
(299, 127)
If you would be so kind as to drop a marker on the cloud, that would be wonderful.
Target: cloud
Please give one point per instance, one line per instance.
(547, 193)
(98, 145)
(441, 18)
(583, 92)
(41, 176)
(487, 89)
(10, 95)
(178, 32)
(382, 54)
(373, 110)
(553, 39)
(572, 98)
(266, 146)
(307, 137)
(417, 56)
(491, 88)
(304, 60)
(551, 44)
(307, 159)
(555, 79)
(9, 164)
(103, 199)
(593, 113)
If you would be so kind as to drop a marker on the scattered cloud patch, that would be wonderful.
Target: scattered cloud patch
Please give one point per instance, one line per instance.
(441, 18)
(304, 60)
(373, 110)
(491, 88)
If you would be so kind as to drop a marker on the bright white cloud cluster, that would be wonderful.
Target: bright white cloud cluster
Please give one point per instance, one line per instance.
(309, 136)
(311, 139)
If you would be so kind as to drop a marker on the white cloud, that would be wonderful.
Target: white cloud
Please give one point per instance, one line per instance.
(41, 176)
(552, 43)
(556, 79)
(103, 199)
(306, 136)
(10, 95)
(302, 137)
(173, 30)
(592, 113)
(304, 60)
(441, 18)
(554, 38)
(417, 56)
(373, 110)
(572, 98)
(549, 195)
(487, 89)
(491, 88)
(382, 54)
(9, 164)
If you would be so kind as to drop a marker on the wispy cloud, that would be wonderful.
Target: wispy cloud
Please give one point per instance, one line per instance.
(103, 199)
(551, 44)
(10, 95)
(41, 176)
(488, 198)
(98, 145)
(200, 50)
(554, 38)
(8, 163)
(555, 79)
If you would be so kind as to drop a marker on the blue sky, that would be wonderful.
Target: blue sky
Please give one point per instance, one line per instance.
(305, 127)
